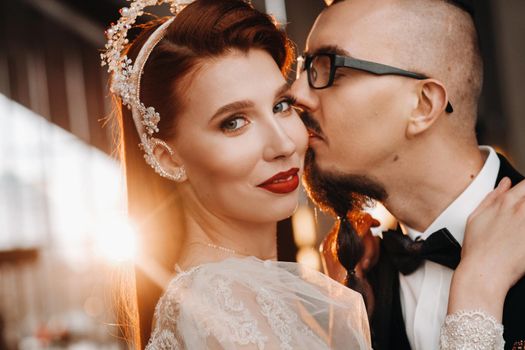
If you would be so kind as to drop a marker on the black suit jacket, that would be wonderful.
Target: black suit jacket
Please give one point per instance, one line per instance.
(387, 324)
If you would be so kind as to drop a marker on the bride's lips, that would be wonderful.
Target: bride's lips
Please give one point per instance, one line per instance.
(283, 182)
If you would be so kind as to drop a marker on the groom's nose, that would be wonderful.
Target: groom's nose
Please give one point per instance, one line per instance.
(306, 97)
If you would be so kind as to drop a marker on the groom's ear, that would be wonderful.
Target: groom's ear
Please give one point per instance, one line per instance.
(431, 104)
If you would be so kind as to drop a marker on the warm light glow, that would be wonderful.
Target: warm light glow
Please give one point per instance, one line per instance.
(387, 220)
(501, 151)
(303, 224)
(93, 306)
(154, 270)
(309, 257)
(116, 240)
(277, 9)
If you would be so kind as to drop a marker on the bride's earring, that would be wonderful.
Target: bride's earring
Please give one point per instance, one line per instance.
(179, 174)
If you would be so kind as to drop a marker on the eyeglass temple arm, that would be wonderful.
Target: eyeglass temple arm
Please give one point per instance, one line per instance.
(376, 68)
(381, 69)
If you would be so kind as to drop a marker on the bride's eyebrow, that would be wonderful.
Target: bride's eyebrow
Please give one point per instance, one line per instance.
(232, 107)
(245, 104)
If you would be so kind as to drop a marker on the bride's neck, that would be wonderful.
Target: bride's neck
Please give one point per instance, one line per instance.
(210, 238)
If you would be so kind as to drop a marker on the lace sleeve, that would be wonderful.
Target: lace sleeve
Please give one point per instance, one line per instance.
(163, 340)
(165, 335)
(473, 330)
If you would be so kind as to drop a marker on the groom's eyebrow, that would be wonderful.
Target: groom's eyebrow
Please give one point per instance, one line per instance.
(329, 49)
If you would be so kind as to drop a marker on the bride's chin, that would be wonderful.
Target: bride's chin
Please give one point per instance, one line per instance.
(274, 210)
(288, 210)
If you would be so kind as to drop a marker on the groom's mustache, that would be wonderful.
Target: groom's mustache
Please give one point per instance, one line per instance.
(311, 124)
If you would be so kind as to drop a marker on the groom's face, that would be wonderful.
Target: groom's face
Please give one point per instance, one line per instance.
(358, 123)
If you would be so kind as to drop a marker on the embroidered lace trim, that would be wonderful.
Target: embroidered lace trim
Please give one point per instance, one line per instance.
(281, 318)
(472, 330)
(250, 304)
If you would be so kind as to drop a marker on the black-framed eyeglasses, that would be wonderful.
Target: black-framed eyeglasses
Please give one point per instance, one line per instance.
(321, 69)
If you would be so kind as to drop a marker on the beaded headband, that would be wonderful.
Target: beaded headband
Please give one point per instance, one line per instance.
(126, 75)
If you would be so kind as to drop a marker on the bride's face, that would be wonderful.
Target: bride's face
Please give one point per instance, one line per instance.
(240, 140)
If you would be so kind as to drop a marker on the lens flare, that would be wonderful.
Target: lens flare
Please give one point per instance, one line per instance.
(310, 257)
(116, 240)
(303, 224)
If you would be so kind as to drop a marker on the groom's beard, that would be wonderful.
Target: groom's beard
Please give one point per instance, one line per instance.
(337, 192)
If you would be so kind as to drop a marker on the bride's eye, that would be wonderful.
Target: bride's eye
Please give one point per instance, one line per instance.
(284, 105)
(234, 124)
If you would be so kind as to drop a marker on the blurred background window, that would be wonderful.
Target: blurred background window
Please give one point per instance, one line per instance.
(63, 228)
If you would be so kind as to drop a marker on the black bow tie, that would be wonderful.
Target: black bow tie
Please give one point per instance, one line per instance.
(407, 255)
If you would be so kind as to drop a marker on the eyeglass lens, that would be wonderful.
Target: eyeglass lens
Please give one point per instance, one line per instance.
(319, 71)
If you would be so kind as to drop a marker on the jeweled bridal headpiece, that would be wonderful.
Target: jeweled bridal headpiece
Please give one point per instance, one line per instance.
(126, 75)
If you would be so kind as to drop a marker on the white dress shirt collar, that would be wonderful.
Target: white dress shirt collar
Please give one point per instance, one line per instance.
(454, 217)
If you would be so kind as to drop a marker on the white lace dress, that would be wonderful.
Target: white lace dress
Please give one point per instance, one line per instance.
(253, 304)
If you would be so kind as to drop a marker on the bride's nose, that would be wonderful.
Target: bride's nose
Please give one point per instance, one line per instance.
(278, 143)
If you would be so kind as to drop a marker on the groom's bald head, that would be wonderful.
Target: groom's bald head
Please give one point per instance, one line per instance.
(433, 37)
(371, 132)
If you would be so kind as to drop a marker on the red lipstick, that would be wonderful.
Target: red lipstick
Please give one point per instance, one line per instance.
(283, 182)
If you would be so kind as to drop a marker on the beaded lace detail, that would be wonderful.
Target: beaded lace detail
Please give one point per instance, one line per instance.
(280, 318)
(471, 330)
(250, 304)
(238, 323)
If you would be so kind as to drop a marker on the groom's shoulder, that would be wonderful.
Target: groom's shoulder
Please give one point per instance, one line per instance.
(514, 306)
(513, 311)
(506, 169)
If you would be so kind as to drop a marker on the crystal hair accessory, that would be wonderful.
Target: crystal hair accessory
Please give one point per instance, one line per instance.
(180, 172)
(125, 81)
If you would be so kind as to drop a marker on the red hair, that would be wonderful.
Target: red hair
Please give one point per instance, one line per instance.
(205, 29)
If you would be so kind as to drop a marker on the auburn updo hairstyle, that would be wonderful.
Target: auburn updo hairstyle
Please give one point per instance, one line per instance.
(204, 30)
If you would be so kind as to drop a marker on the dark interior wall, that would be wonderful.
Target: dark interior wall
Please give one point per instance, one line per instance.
(52, 70)
(493, 123)
(301, 17)
(509, 60)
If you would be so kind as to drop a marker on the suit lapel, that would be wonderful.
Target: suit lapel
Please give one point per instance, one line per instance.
(514, 307)
(387, 323)
(505, 169)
